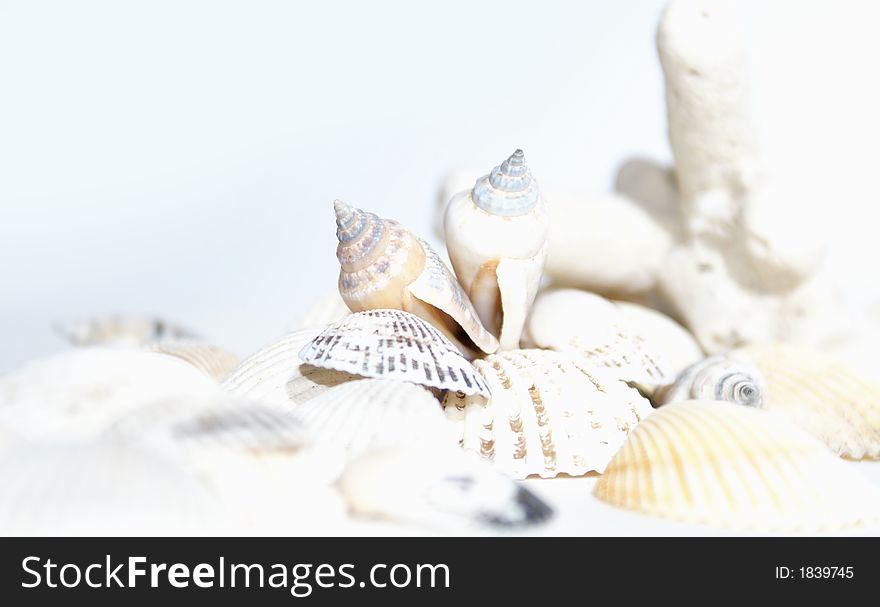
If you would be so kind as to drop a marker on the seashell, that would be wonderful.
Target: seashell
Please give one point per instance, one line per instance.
(211, 360)
(675, 343)
(392, 344)
(549, 414)
(441, 489)
(718, 378)
(578, 322)
(832, 400)
(720, 464)
(79, 393)
(119, 330)
(275, 375)
(496, 234)
(383, 265)
(366, 414)
(330, 308)
(60, 489)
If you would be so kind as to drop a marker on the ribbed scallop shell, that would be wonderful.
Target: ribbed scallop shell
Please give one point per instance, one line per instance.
(373, 413)
(720, 464)
(832, 400)
(275, 374)
(119, 330)
(549, 414)
(392, 344)
(213, 361)
(383, 265)
(578, 322)
(718, 378)
(509, 190)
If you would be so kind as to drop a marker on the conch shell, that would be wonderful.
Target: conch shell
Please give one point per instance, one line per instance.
(717, 378)
(496, 234)
(383, 265)
(549, 414)
(720, 464)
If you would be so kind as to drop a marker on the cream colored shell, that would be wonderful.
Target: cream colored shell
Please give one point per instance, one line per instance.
(549, 414)
(213, 361)
(724, 465)
(676, 344)
(719, 378)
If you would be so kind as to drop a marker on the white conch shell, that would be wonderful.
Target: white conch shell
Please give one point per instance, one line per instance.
(374, 413)
(212, 360)
(60, 489)
(119, 331)
(496, 235)
(327, 309)
(383, 265)
(549, 414)
(675, 343)
(275, 375)
(442, 489)
(719, 378)
(721, 464)
(78, 393)
(393, 344)
(830, 399)
(569, 320)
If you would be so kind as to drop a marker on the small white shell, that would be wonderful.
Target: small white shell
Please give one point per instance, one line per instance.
(582, 323)
(717, 378)
(675, 343)
(721, 464)
(213, 361)
(392, 344)
(549, 414)
(119, 331)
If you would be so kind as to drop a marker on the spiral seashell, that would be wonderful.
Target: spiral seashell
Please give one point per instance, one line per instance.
(581, 323)
(719, 464)
(717, 378)
(383, 265)
(213, 361)
(119, 331)
(830, 399)
(392, 344)
(496, 235)
(549, 414)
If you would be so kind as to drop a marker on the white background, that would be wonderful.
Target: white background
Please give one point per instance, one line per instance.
(180, 158)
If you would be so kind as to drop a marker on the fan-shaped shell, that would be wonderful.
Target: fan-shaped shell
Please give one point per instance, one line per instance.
(275, 374)
(119, 330)
(549, 414)
(830, 399)
(392, 344)
(675, 343)
(720, 464)
(78, 393)
(383, 265)
(717, 378)
(213, 361)
(578, 322)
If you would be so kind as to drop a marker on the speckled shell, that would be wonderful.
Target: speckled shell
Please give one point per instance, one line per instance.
(275, 375)
(373, 413)
(383, 265)
(675, 343)
(392, 344)
(213, 361)
(831, 400)
(496, 235)
(119, 331)
(549, 414)
(578, 322)
(725, 465)
(717, 378)
(78, 393)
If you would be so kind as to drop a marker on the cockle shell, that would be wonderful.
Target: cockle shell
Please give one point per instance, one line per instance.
(78, 393)
(549, 414)
(383, 265)
(582, 323)
(119, 330)
(275, 374)
(61, 489)
(833, 401)
(721, 464)
(496, 235)
(373, 413)
(213, 361)
(675, 343)
(719, 378)
(393, 344)
(442, 489)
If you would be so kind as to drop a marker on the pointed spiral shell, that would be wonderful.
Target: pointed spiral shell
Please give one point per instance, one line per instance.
(718, 378)
(509, 190)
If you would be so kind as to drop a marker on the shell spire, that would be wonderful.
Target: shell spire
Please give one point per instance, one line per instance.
(509, 190)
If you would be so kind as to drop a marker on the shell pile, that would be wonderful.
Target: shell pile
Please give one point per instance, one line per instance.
(423, 394)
